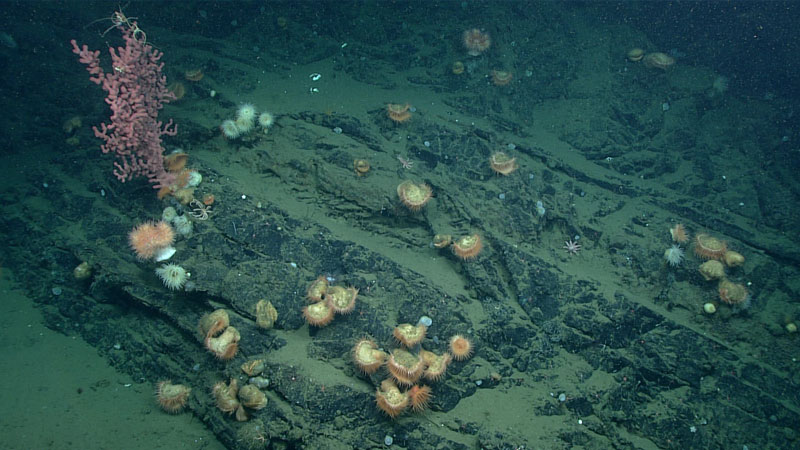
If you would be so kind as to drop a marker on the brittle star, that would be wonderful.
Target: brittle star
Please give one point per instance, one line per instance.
(406, 163)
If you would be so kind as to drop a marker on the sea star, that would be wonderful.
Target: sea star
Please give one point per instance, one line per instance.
(572, 247)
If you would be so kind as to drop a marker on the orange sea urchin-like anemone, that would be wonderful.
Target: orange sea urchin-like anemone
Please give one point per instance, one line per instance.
(341, 300)
(476, 41)
(177, 89)
(501, 77)
(317, 289)
(467, 247)
(253, 367)
(225, 396)
(176, 161)
(419, 396)
(442, 240)
(367, 356)
(390, 400)
(678, 233)
(213, 323)
(150, 239)
(732, 293)
(398, 113)
(414, 196)
(194, 74)
(361, 167)
(318, 314)
(436, 364)
(409, 335)
(405, 367)
(172, 397)
(252, 397)
(460, 347)
(225, 345)
(709, 247)
(733, 259)
(502, 164)
(658, 60)
(635, 54)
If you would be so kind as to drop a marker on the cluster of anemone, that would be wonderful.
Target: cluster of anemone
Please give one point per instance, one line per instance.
(327, 301)
(466, 247)
(220, 338)
(717, 257)
(398, 112)
(711, 249)
(182, 181)
(407, 367)
(247, 117)
(231, 399)
(153, 241)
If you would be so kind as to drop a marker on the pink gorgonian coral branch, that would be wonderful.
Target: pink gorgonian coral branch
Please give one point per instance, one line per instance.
(136, 91)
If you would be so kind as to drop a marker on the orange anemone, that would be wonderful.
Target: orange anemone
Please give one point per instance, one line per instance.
(460, 347)
(467, 247)
(409, 335)
(732, 293)
(175, 162)
(361, 166)
(709, 247)
(172, 397)
(398, 113)
(501, 77)
(405, 367)
(658, 60)
(194, 74)
(390, 400)
(436, 364)
(318, 314)
(442, 240)
(317, 289)
(502, 164)
(178, 90)
(419, 397)
(413, 195)
(341, 300)
(367, 356)
(678, 233)
(225, 345)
